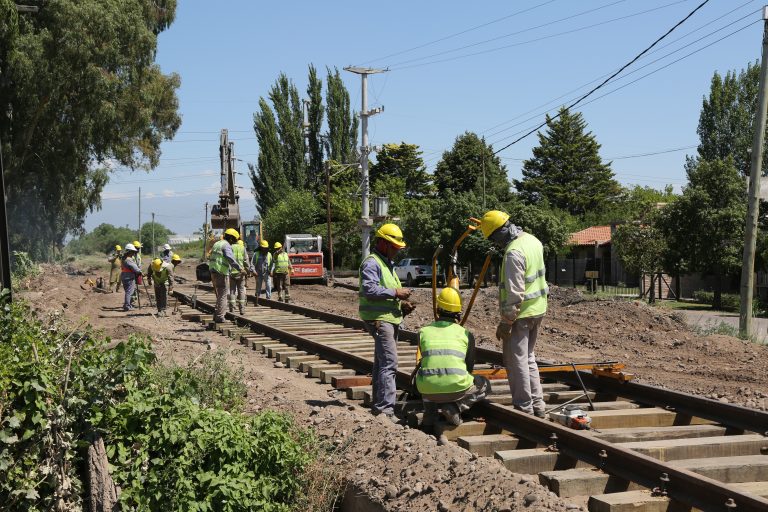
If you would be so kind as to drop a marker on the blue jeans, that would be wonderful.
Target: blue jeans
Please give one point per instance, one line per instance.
(384, 365)
(267, 284)
(129, 285)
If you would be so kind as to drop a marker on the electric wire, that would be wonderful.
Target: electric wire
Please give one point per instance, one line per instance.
(401, 65)
(598, 87)
(450, 36)
(618, 79)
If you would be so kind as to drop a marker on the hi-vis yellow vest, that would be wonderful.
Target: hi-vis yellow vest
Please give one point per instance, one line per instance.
(218, 263)
(443, 369)
(386, 310)
(536, 289)
(238, 251)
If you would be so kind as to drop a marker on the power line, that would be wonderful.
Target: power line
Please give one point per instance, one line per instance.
(702, 4)
(623, 157)
(400, 66)
(614, 81)
(497, 20)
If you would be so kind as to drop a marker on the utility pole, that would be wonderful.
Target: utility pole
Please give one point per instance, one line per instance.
(5, 246)
(205, 230)
(138, 236)
(365, 218)
(328, 217)
(153, 235)
(755, 175)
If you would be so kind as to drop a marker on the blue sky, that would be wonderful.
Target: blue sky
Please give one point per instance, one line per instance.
(517, 60)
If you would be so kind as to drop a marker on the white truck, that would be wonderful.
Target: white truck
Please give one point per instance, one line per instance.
(412, 271)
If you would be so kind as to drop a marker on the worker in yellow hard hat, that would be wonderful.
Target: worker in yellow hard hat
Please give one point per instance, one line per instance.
(380, 299)
(114, 272)
(523, 294)
(445, 378)
(238, 280)
(281, 273)
(221, 263)
(160, 274)
(264, 266)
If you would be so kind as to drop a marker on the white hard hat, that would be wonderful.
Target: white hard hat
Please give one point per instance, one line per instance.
(166, 247)
(130, 247)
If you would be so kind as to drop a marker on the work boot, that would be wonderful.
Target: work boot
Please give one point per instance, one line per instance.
(451, 414)
(242, 311)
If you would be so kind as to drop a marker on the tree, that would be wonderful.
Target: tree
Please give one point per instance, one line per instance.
(161, 235)
(342, 121)
(269, 179)
(315, 114)
(641, 247)
(635, 203)
(705, 225)
(470, 165)
(294, 213)
(566, 169)
(76, 102)
(102, 239)
(402, 161)
(727, 118)
(285, 100)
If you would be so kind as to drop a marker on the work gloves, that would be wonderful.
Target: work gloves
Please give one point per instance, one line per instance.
(503, 330)
(407, 307)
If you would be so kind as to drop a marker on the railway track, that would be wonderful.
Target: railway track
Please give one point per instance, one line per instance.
(650, 449)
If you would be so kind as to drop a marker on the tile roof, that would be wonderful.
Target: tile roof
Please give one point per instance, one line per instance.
(601, 234)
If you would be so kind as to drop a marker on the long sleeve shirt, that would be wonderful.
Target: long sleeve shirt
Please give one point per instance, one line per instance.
(264, 263)
(131, 264)
(370, 274)
(226, 250)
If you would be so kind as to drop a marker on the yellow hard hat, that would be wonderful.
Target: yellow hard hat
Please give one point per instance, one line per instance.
(240, 242)
(176, 257)
(233, 233)
(118, 248)
(492, 221)
(137, 244)
(264, 244)
(157, 263)
(449, 300)
(278, 245)
(391, 233)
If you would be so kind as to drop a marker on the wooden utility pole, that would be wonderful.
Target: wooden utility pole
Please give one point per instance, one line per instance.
(328, 218)
(755, 176)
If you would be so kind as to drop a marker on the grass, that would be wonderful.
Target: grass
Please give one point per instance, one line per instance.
(725, 329)
(685, 305)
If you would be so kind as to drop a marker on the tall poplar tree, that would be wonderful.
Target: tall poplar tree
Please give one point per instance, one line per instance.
(270, 181)
(342, 121)
(566, 169)
(315, 114)
(285, 100)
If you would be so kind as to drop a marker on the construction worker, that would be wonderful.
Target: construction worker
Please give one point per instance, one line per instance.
(447, 350)
(264, 266)
(175, 260)
(523, 294)
(138, 247)
(130, 272)
(380, 299)
(114, 272)
(237, 280)
(166, 254)
(281, 273)
(221, 262)
(161, 274)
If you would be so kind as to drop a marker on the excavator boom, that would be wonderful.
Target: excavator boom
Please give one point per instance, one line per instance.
(226, 214)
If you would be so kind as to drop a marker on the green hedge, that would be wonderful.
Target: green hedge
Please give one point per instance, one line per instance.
(730, 301)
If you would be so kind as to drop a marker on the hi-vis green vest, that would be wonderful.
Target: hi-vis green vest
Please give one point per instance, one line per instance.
(386, 310)
(218, 263)
(443, 369)
(536, 289)
(238, 251)
(282, 263)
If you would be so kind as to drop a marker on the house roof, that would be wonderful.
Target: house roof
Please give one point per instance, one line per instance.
(599, 234)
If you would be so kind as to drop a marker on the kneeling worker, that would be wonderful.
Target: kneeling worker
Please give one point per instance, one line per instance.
(445, 378)
(161, 274)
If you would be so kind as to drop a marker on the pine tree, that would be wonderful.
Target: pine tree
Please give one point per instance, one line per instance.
(566, 169)
(470, 165)
(402, 161)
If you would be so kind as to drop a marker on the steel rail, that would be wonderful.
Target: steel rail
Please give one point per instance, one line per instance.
(684, 486)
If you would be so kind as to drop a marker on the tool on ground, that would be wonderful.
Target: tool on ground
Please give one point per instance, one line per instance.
(571, 416)
(146, 290)
(88, 283)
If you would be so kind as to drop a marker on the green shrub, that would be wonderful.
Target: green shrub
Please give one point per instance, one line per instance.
(730, 302)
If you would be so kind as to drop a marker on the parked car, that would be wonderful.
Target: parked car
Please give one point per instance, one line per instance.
(412, 271)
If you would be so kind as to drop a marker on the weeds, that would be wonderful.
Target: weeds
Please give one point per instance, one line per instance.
(725, 329)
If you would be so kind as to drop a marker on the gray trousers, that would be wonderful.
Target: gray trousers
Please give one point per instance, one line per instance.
(161, 295)
(265, 279)
(221, 283)
(463, 400)
(384, 365)
(237, 291)
(129, 285)
(520, 362)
